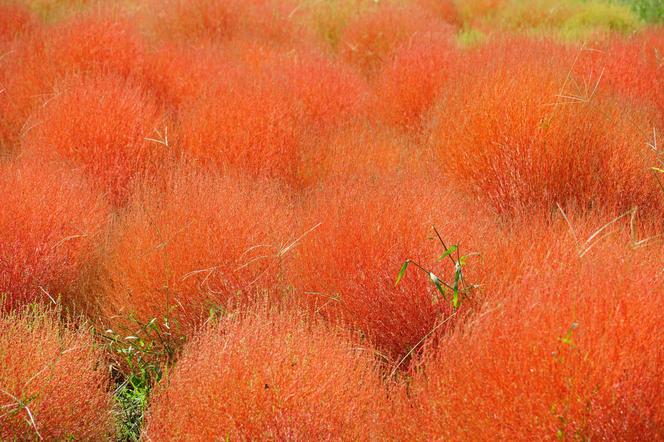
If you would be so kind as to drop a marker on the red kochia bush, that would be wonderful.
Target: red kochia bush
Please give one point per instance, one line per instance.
(445, 10)
(49, 223)
(328, 92)
(245, 122)
(632, 68)
(270, 375)
(103, 42)
(346, 268)
(100, 124)
(408, 85)
(204, 20)
(52, 383)
(573, 349)
(22, 76)
(14, 20)
(371, 39)
(191, 244)
(516, 138)
(357, 150)
(80, 45)
(177, 73)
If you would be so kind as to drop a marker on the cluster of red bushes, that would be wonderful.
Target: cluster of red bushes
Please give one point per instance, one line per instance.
(251, 175)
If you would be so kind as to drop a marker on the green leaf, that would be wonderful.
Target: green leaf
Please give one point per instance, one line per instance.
(436, 281)
(455, 298)
(448, 252)
(402, 272)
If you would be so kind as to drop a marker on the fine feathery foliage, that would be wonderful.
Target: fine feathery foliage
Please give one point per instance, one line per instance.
(370, 41)
(43, 56)
(188, 246)
(270, 22)
(541, 137)
(571, 349)
(53, 384)
(408, 86)
(101, 125)
(270, 374)
(50, 222)
(331, 219)
(346, 267)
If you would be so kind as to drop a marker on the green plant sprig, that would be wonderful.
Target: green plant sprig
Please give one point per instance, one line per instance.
(457, 287)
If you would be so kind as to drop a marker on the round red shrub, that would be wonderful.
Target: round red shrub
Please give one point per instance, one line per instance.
(523, 138)
(244, 122)
(408, 86)
(223, 20)
(369, 41)
(15, 19)
(82, 45)
(95, 42)
(270, 375)
(53, 385)
(193, 244)
(359, 150)
(22, 78)
(367, 227)
(100, 124)
(445, 10)
(176, 74)
(571, 349)
(631, 68)
(328, 93)
(50, 221)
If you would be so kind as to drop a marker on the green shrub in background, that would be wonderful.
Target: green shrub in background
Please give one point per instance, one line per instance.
(567, 19)
(518, 15)
(570, 19)
(599, 18)
(52, 10)
(651, 11)
(468, 37)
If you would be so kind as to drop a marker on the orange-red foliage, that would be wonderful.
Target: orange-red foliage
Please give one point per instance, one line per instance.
(270, 375)
(177, 163)
(15, 19)
(222, 20)
(21, 79)
(445, 10)
(49, 223)
(244, 122)
(476, 12)
(346, 268)
(38, 60)
(359, 150)
(570, 349)
(279, 100)
(177, 74)
(407, 87)
(95, 42)
(632, 68)
(369, 41)
(327, 92)
(194, 243)
(523, 138)
(52, 385)
(100, 124)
